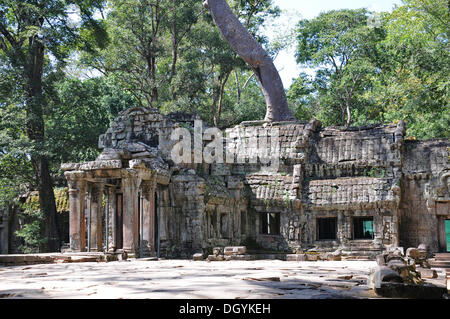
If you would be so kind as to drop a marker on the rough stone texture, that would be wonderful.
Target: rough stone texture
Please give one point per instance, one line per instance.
(345, 174)
(402, 290)
(296, 257)
(198, 256)
(187, 279)
(238, 250)
(4, 231)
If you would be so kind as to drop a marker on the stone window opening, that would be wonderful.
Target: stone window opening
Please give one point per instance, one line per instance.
(270, 223)
(363, 228)
(327, 228)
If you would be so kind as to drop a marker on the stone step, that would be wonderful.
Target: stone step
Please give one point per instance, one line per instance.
(439, 263)
(48, 258)
(442, 256)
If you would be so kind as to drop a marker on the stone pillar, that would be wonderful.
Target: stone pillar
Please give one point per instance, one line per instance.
(112, 220)
(96, 239)
(77, 190)
(148, 217)
(130, 214)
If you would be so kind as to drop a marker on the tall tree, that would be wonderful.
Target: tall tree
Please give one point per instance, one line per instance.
(35, 35)
(415, 83)
(245, 45)
(342, 47)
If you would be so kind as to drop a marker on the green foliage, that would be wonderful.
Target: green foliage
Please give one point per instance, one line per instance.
(82, 112)
(31, 232)
(170, 55)
(343, 49)
(396, 70)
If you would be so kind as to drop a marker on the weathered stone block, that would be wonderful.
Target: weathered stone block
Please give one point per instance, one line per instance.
(296, 257)
(217, 251)
(237, 257)
(416, 253)
(235, 250)
(427, 273)
(402, 290)
(197, 257)
(312, 257)
(215, 258)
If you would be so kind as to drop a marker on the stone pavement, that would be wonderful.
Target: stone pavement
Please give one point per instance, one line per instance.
(186, 279)
(139, 279)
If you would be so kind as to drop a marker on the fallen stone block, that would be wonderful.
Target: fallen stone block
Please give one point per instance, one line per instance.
(383, 274)
(381, 261)
(217, 251)
(197, 257)
(312, 257)
(296, 257)
(237, 257)
(83, 259)
(121, 256)
(215, 258)
(416, 254)
(235, 250)
(427, 273)
(402, 290)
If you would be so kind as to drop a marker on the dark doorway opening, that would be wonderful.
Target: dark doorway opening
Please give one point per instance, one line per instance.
(362, 227)
(270, 223)
(327, 228)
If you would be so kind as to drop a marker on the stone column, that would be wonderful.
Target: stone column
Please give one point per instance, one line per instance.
(130, 213)
(112, 220)
(148, 217)
(76, 219)
(96, 239)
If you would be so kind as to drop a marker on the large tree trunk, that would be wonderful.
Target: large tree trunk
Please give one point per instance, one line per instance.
(255, 56)
(35, 130)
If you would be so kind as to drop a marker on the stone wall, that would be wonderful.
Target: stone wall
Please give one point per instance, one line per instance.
(369, 173)
(425, 193)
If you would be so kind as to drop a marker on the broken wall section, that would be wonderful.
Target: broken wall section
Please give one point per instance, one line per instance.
(425, 203)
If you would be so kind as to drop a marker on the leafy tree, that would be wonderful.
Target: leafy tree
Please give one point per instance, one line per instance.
(168, 54)
(82, 110)
(396, 70)
(35, 36)
(415, 83)
(343, 49)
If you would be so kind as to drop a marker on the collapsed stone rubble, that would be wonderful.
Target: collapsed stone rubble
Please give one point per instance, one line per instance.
(401, 275)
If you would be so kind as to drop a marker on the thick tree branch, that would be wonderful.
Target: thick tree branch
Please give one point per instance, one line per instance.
(243, 43)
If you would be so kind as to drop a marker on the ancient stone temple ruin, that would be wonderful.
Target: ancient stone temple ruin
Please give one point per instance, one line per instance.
(360, 190)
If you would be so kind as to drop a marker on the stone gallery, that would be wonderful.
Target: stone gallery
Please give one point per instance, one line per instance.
(358, 190)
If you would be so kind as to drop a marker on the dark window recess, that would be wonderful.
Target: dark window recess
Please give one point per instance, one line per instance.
(212, 225)
(224, 226)
(243, 222)
(362, 227)
(326, 228)
(270, 223)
